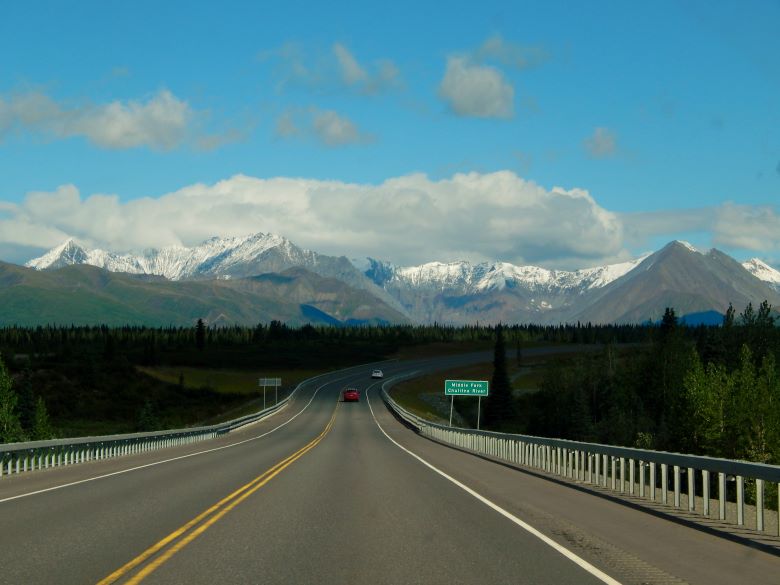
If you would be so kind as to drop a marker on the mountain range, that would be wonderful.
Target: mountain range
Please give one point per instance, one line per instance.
(265, 276)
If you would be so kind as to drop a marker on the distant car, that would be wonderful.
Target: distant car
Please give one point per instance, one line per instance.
(351, 395)
(377, 374)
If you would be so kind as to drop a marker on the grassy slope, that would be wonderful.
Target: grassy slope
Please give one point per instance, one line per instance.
(228, 381)
(424, 396)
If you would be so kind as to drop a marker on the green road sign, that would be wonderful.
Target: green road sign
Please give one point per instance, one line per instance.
(465, 388)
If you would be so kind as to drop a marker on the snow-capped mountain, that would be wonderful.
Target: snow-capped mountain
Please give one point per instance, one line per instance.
(494, 291)
(763, 271)
(677, 276)
(216, 257)
(472, 278)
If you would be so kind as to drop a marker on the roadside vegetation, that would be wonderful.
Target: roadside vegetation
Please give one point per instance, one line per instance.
(706, 390)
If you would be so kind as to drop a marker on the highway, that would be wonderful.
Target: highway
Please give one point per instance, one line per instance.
(331, 492)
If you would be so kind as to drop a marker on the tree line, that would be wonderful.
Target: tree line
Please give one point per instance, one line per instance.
(706, 390)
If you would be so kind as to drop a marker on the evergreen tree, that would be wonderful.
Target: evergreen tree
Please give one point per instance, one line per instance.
(10, 427)
(200, 335)
(26, 403)
(499, 407)
(147, 417)
(41, 428)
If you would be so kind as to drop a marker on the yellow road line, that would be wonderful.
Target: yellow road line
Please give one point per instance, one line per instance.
(218, 510)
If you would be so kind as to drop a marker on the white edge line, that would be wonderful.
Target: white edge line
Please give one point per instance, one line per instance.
(524, 525)
(59, 487)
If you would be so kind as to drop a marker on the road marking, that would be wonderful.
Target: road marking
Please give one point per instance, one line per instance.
(197, 526)
(65, 485)
(522, 524)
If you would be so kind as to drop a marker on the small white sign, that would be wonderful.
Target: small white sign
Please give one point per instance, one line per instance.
(269, 382)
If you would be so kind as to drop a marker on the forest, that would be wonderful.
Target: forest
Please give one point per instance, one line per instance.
(711, 390)
(706, 390)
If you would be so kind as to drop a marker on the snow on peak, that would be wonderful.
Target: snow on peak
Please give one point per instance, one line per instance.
(687, 245)
(69, 252)
(762, 271)
(174, 262)
(486, 276)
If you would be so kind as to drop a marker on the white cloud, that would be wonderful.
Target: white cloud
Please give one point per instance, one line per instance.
(478, 91)
(408, 219)
(162, 122)
(336, 69)
(327, 127)
(602, 144)
(496, 48)
(286, 127)
(755, 228)
(351, 71)
(640, 227)
(335, 130)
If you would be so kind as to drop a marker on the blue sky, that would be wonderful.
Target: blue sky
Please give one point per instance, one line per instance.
(540, 133)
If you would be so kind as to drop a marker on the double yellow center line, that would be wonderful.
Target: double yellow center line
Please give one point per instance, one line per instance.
(178, 539)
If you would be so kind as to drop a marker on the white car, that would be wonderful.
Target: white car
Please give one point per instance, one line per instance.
(377, 374)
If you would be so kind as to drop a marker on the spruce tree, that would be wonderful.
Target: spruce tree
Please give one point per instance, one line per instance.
(200, 335)
(41, 428)
(10, 427)
(499, 407)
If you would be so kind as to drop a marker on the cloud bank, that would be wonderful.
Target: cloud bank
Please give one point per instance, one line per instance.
(407, 220)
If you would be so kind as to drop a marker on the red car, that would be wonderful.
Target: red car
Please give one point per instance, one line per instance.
(351, 395)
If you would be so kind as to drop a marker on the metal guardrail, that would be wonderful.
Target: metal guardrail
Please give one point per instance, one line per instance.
(652, 475)
(22, 457)
(33, 455)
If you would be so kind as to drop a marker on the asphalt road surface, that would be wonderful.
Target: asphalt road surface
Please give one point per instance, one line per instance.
(332, 492)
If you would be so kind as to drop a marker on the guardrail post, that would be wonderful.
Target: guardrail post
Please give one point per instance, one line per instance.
(604, 475)
(614, 472)
(590, 467)
(622, 475)
(598, 468)
(631, 476)
(740, 500)
(705, 492)
(642, 479)
(653, 482)
(664, 483)
(760, 505)
(722, 496)
(691, 490)
(676, 486)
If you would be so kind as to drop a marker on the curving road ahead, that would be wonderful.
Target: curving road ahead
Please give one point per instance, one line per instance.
(331, 492)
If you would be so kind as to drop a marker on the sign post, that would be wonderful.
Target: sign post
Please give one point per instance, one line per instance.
(478, 388)
(275, 382)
